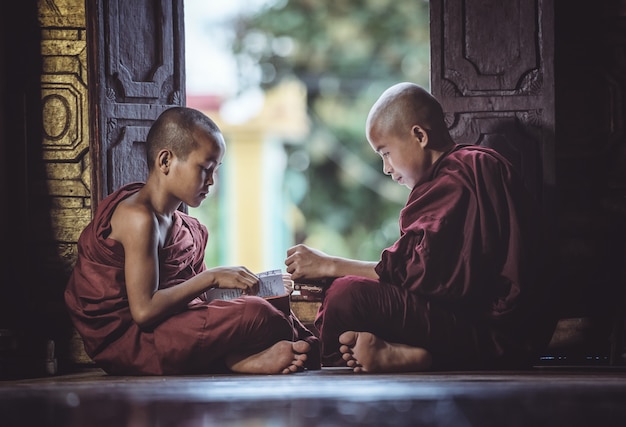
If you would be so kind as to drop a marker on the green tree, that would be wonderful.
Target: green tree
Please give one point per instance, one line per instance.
(346, 52)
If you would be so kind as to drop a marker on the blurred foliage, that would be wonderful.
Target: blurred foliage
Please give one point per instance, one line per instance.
(346, 52)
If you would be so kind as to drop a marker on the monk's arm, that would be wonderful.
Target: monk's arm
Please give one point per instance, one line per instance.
(165, 302)
(345, 267)
(139, 235)
(305, 263)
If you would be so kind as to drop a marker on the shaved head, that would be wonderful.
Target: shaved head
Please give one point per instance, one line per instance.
(175, 129)
(401, 107)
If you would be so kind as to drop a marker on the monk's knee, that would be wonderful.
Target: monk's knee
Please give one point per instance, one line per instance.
(259, 314)
(345, 303)
(259, 308)
(340, 289)
(344, 293)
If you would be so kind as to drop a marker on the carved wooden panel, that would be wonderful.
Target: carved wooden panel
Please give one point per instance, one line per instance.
(492, 45)
(489, 72)
(544, 82)
(139, 71)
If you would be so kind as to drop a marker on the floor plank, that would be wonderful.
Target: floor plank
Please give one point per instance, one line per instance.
(330, 397)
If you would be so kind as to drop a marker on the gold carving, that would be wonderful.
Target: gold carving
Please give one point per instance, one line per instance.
(65, 108)
(65, 139)
(62, 13)
(65, 116)
(56, 112)
(64, 99)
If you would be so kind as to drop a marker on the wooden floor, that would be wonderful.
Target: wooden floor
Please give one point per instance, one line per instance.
(330, 397)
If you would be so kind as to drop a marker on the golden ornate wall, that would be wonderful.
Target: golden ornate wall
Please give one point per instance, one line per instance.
(65, 140)
(65, 115)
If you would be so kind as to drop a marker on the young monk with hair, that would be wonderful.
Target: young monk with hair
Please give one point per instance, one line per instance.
(462, 286)
(136, 294)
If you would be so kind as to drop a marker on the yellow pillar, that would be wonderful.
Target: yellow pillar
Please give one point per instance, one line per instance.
(245, 199)
(250, 186)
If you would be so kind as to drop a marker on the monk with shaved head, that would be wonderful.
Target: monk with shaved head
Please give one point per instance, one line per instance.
(137, 294)
(462, 287)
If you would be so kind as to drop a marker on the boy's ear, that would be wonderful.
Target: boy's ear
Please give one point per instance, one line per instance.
(420, 134)
(164, 159)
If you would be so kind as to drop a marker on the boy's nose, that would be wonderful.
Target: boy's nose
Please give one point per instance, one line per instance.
(387, 170)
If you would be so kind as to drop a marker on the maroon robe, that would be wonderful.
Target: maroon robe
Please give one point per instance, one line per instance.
(465, 278)
(194, 340)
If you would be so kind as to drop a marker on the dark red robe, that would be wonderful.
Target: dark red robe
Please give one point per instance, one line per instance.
(194, 340)
(465, 280)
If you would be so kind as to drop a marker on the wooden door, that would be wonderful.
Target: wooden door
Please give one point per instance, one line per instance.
(543, 82)
(137, 66)
(492, 69)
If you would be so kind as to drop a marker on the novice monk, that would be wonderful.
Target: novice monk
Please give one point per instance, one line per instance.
(461, 288)
(136, 294)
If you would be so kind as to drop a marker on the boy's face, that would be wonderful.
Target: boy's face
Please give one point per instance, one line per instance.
(194, 175)
(402, 154)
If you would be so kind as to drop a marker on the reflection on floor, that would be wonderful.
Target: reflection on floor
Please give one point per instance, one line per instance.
(330, 397)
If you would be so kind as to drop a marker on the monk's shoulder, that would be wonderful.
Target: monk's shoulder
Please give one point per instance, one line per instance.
(130, 219)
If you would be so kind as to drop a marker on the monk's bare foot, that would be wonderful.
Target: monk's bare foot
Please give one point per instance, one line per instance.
(284, 357)
(365, 352)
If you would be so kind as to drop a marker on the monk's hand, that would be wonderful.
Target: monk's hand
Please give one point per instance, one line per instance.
(235, 278)
(305, 263)
(288, 283)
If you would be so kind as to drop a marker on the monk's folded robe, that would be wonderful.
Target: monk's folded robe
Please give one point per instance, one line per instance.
(194, 340)
(465, 278)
